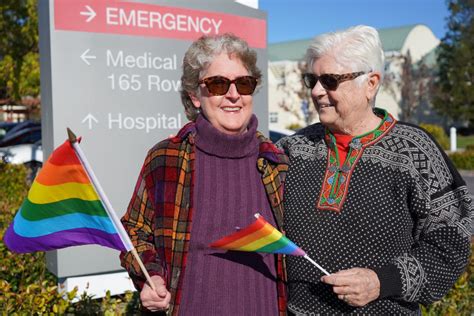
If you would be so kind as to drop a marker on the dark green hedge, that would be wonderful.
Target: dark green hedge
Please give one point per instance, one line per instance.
(438, 133)
(463, 160)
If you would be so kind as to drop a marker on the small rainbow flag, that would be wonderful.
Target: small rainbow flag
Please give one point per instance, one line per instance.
(259, 236)
(62, 209)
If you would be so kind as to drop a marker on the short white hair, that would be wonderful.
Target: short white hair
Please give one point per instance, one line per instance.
(357, 47)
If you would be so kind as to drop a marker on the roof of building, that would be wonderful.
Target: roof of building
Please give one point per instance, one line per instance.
(290, 50)
(392, 40)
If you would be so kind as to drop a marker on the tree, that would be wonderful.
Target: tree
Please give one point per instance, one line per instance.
(408, 100)
(307, 105)
(19, 58)
(409, 84)
(415, 84)
(454, 90)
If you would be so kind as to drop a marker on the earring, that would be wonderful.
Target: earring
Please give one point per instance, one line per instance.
(198, 110)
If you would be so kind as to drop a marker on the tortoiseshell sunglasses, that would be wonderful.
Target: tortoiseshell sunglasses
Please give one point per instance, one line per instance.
(329, 81)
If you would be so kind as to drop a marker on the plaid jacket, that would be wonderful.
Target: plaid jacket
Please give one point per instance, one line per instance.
(161, 209)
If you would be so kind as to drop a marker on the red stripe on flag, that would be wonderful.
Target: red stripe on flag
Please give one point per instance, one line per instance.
(64, 155)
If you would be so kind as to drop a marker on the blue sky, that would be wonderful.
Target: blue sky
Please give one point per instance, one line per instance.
(301, 19)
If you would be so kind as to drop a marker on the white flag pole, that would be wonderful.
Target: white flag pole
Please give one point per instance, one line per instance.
(257, 215)
(317, 265)
(108, 207)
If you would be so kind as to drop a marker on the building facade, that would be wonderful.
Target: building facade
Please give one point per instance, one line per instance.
(290, 105)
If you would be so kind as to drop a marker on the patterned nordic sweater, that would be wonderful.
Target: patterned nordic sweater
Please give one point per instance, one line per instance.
(397, 206)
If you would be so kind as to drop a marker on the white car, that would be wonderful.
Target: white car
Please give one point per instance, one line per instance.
(22, 154)
(30, 155)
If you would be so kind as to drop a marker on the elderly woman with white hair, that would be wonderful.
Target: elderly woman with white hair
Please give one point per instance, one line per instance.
(374, 200)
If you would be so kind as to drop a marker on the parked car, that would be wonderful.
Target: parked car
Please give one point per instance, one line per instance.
(23, 153)
(5, 127)
(277, 133)
(23, 133)
(21, 144)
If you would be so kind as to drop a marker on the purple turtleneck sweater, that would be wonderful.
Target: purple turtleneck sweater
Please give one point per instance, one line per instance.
(228, 192)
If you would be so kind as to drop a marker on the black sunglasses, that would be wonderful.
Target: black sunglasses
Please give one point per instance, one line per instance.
(218, 85)
(329, 81)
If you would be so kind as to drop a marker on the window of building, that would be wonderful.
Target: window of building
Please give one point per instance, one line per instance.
(273, 116)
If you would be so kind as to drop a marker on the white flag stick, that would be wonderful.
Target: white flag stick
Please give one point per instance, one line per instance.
(108, 207)
(257, 215)
(317, 265)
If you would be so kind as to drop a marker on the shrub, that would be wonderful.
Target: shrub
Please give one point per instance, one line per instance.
(294, 126)
(463, 160)
(438, 133)
(34, 298)
(14, 187)
(25, 284)
(469, 147)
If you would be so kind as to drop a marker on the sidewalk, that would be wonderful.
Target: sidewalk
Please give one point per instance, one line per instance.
(468, 173)
(468, 176)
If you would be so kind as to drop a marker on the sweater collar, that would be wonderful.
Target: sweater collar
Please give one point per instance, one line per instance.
(214, 142)
(364, 140)
(267, 149)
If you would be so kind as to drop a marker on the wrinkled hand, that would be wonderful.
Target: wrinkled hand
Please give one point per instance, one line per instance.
(357, 286)
(155, 300)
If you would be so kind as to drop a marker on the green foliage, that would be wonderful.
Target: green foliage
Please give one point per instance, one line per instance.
(470, 147)
(19, 62)
(14, 187)
(125, 305)
(87, 305)
(454, 93)
(294, 126)
(25, 284)
(438, 133)
(463, 160)
(29, 78)
(35, 298)
(465, 141)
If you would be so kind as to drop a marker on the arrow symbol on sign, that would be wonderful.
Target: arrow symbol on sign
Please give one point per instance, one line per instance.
(85, 57)
(90, 13)
(89, 118)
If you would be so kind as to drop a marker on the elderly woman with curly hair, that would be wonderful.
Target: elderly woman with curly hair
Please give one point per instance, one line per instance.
(374, 200)
(195, 187)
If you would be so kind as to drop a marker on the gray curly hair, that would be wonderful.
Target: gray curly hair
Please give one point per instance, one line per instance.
(200, 55)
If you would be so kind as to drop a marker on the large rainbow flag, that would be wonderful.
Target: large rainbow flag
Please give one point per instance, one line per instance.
(259, 236)
(62, 209)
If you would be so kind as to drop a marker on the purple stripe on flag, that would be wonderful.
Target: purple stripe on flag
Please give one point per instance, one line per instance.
(298, 252)
(62, 239)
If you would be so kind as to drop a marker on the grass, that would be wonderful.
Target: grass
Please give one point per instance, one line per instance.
(463, 141)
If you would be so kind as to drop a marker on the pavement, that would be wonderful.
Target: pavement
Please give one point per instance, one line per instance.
(468, 176)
